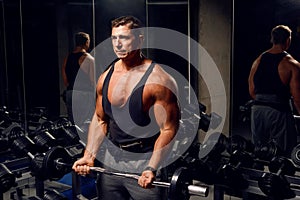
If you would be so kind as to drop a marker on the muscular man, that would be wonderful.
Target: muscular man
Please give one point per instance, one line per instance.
(78, 75)
(133, 89)
(273, 81)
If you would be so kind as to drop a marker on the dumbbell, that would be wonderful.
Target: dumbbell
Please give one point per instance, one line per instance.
(200, 169)
(267, 151)
(238, 142)
(274, 184)
(59, 161)
(44, 140)
(214, 146)
(26, 147)
(23, 146)
(9, 134)
(206, 121)
(210, 158)
(7, 178)
(64, 128)
(61, 132)
(245, 110)
(231, 174)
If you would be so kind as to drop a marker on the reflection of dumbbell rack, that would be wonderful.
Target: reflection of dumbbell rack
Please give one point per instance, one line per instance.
(253, 189)
(277, 178)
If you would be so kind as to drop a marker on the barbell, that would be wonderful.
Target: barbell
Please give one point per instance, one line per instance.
(180, 187)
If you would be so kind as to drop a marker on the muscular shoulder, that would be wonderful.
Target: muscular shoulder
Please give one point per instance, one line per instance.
(290, 63)
(162, 80)
(86, 58)
(288, 69)
(256, 62)
(101, 81)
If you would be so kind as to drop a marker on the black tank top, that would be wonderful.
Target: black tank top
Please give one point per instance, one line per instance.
(267, 79)
(130, 123)
(73, 69)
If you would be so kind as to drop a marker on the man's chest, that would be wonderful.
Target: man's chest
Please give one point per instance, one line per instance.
(123, 85)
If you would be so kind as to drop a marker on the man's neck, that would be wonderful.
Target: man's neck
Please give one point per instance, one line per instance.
(277, 48)
(79, 49)
(134, 61)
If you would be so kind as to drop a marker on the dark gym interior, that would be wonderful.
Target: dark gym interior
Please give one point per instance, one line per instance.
(35, 36)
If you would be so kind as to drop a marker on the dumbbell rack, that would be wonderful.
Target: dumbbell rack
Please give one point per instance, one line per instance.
(21, 168)
(252, 175)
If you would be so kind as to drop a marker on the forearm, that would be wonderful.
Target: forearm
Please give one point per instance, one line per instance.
(96, 134)
(297, 105)
(161, 149)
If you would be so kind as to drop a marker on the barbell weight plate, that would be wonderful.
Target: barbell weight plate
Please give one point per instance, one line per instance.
(51, 168)
(179, 185)
(295, 155)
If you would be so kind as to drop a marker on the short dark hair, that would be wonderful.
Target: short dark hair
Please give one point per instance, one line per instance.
(129, 20)
(81, 38)
(280, 34)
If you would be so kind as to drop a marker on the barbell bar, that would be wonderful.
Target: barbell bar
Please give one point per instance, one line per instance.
(193, 189)
(134, 176)
(180, 187)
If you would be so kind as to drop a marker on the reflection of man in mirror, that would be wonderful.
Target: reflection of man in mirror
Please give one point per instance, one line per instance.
(78, 76)
(132, 94)
(274, 82)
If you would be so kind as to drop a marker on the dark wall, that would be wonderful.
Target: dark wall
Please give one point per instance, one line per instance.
(30, 71)
(40, 56)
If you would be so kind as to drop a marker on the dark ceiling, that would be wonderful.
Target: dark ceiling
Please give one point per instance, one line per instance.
(288, 8)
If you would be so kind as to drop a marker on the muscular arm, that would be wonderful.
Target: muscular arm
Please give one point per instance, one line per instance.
(97, 132)
(63, 72)
(295, 85)
(251, 76)
(167, 114)
(87, 64)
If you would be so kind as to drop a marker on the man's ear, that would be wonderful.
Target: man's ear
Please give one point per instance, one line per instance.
(288, 42)
(141, 38)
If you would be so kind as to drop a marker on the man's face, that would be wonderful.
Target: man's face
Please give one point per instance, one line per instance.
(124, 41)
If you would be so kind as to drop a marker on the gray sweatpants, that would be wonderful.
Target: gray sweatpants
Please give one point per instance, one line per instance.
(270, 124)
(120, 188)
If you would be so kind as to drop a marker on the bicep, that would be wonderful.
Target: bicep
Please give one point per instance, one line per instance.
(251, 86)
(63, 71)
(167, 112)
(295, 85)
(101, 116)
